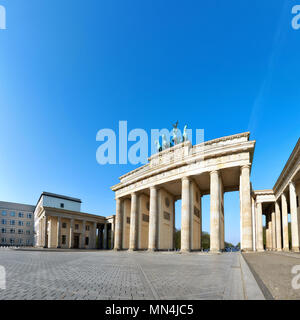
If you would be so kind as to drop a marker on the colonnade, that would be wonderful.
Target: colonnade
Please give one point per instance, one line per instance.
(191, 215)
(277, 233)
(76, 233)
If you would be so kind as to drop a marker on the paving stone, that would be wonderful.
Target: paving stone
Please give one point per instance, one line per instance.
(110, 275)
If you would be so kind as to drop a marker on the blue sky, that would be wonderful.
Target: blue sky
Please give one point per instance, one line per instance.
(70, 68)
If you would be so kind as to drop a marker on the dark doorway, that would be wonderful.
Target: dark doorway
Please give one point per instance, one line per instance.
(76, 242)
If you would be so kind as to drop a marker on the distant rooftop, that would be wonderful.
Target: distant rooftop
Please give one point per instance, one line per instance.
(16, 206)
(54, 195)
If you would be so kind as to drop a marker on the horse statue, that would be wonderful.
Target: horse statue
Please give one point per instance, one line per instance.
(165, 143)
(176, 138)
(184, 135)
(158, 146)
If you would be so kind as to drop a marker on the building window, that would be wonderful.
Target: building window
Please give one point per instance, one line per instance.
(76, 226)
(86, 241)
(29, 215)
(12, 231)
(27, 242)
(64, 225)
(62, 205)
(12, 222)
(12, 241)
(21, 215)
(3, 221)
(3, 240)
(4, 213)
(20, 223)
(27, 231)
(63, 239)
(20, 231)
(28, 223)
(3, 230)
(12, 214)
(87, 228)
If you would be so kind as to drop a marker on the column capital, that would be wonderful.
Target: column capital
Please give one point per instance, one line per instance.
(258, 204)
(245, 166)
(292, 183)
(153, 187)
(186, 178)
(214, 171)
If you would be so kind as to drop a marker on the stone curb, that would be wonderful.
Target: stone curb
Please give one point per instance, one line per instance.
(252, 290)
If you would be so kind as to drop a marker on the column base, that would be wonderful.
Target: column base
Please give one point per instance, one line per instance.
(115, 249)
(260, 250)
(185, 250)
(247, 250)
(295, 249)
(279, 249)
(132, 249)
(286, 249)
(151, 250)
(215, 251)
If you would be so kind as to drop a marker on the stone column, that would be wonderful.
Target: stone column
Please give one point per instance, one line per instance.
(215, 211)
(153, 219)
(294, 218)
(200, 225)
(58, 232)
(119, 225)
(267, 233)
(50, 232)
(71, 235)
(246, 212)
(278, 226)
(112, 234)
(271, 231)
(273, 217)
(99, 237)
(94, 235)
(105, 236)
(45, 227)
(133, 222)
(285, 223)
(254, 224)
(259, 227)
(268, 243)
(83, 235)
(174, 229)
(185, 215)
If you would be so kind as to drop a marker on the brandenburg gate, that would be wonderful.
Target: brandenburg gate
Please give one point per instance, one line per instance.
(145, 197)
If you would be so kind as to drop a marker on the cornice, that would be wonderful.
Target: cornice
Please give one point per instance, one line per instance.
(290, 168)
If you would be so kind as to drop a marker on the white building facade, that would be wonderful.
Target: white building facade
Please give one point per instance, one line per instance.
(16, 224)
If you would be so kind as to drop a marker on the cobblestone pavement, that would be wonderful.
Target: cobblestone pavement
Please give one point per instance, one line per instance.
(120, 275)
(274, 270)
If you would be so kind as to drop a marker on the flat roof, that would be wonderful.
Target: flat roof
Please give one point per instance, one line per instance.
(60, 196)
(16, 206)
